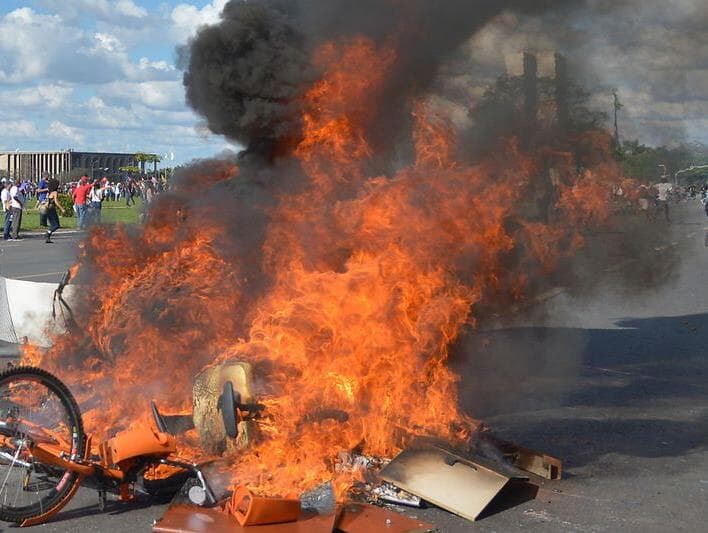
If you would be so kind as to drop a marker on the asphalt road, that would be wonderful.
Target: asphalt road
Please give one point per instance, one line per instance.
(614, 380)
(32, 259)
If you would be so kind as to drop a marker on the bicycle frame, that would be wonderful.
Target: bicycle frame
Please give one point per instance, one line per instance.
(119, 461)
(62, 454)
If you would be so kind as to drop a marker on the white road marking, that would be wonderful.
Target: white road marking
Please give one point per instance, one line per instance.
(39, 275)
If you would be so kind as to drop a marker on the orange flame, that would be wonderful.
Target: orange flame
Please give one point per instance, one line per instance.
(371, 279)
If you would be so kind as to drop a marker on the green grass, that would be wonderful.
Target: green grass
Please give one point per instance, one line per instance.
(111, 213)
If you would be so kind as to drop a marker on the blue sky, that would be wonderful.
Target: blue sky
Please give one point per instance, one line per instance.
(100, 75)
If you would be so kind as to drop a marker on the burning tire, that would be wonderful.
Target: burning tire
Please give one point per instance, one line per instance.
(214, 436)
(35, 407)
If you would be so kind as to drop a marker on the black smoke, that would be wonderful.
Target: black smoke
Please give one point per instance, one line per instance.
(244, 75)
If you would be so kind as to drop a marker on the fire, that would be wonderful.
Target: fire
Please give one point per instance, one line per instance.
(366, 280)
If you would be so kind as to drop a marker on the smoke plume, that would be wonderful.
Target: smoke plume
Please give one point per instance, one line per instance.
(246, 75)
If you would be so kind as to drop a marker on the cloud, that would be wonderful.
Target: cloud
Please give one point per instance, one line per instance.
(101, 9)
(153, 94)
(106, 42)
(26, 44)
(35, 46)
(162, 65)
(94, 75)
(188, 18)
(51, 96)
(20, 128)
(62, 131)
(128, 8)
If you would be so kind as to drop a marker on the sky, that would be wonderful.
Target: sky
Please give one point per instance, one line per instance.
(653, 52)
(102, 75)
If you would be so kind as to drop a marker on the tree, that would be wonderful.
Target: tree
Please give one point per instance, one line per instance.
(643, 162)
(497, 114)
(130, 169)
(142, 158)
(154, 159)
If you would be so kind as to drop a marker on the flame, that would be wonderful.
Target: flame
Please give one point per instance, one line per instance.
(31, 355)
(370, 280)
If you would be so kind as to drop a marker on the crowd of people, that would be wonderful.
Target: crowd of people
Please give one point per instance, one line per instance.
(653, 200)
(88, 198)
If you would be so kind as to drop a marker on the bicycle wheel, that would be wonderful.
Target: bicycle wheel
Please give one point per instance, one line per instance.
(36, 408)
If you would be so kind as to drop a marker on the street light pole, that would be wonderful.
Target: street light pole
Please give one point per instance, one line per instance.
(94, 167)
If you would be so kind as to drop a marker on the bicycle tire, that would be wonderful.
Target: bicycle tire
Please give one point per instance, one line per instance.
(60, 494)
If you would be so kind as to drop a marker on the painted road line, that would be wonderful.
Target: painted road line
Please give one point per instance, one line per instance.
(39, 275)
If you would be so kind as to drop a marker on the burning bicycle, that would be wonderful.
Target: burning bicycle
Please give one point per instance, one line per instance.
(45, 455)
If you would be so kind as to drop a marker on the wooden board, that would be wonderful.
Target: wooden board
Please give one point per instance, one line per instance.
(448, 480)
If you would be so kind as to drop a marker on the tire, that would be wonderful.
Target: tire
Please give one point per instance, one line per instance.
(228, 410)
(58, 495)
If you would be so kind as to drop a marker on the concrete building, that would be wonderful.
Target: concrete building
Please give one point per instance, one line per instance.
(31, 165)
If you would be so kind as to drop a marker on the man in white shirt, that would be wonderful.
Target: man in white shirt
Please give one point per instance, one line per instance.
(5, 199)
(17, 203)
(663, 189)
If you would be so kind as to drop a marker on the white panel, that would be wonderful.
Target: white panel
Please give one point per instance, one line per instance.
(30, 305)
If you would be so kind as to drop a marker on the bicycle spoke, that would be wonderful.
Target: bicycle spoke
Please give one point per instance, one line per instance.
(9, 470)
(30, 413)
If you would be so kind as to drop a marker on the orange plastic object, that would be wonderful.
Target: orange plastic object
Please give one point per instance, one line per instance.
(365, 518)
(51, 455)
(252, 510)
(139, 442)
(180, 518)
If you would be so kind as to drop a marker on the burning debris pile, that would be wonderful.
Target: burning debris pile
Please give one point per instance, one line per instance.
(339, 256)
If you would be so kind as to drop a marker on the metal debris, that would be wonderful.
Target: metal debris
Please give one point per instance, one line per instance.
(389, 493)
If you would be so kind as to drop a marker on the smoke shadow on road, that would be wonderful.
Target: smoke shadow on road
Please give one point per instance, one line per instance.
(640, 390)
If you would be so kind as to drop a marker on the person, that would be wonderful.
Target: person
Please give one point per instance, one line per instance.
(52, 206)
(95, 198)
(663, 189)
(142, 187)
(80, 193)
(42, 198)
(645, 200)
(6, 207)
(149, 193)
(129, 191)
(17, 204)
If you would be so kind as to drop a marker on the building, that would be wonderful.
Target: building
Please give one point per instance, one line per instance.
(31, 165)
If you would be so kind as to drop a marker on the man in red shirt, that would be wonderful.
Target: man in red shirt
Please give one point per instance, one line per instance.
(80, 193)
